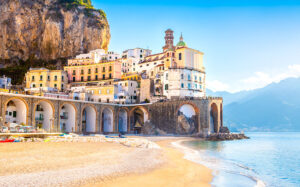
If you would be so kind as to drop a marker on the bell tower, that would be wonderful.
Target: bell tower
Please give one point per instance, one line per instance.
(169, 38)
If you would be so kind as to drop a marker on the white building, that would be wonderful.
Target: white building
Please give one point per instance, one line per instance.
(127, 92)
(137, 53)
(97, 55)
(183, 82)
(5, 82)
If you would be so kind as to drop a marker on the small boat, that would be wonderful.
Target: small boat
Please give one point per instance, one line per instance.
(7, 141)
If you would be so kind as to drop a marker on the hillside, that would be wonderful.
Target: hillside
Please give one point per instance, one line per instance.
(275, 107)
(40, 32)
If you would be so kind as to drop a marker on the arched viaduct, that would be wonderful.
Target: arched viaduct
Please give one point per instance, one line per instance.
(64, 115)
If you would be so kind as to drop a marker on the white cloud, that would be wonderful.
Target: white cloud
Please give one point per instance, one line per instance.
(258, 80)
(216, 85)
(261, 79)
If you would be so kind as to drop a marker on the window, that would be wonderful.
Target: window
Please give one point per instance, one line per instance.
(32, 78)
(195, 86)
(147, 64)
(41, 77)
(55, 85)
(41, 85)
(62, 86)
(141, 56)
(180, 56)
(195, 78)
(133, 69)
(166, 86)
(74, 72)
(182, 85)
(125, 83)
(189, 77)
(96, 70)
(100, 93)
(14, 114)
(55, 78)
(107, 91)
(96, 77)
(151, 73)
(81, 78)
(48, 78)
(33, 85)
(82, 72)
(89, 78)
(103, 76)
(110, 68)
(182, 76)
(131, 84)
(189, 85)
(89, 71)
(62, 78)
(167, 76)
(74, 79)
(200, 79)
(110, 76)
(103, 69)
(200, 86)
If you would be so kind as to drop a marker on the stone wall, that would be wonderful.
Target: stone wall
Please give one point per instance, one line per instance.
(163, 117)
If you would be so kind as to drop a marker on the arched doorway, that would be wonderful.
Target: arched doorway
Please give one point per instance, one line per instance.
(187, 119)
(221, 114)
(89, 119)
(67, 118)
(213, 125)
(44, 115)
(16, 111)
(107, 120)
(123, 121)
(139, 116)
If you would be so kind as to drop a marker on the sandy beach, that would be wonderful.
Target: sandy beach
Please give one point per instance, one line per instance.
(98, 164)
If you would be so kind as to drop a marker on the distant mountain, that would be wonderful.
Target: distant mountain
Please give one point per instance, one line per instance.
(275, 107)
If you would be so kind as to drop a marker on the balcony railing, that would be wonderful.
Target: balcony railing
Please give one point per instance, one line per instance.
(39, 118)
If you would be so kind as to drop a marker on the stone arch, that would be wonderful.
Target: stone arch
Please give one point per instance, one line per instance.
(188, 116)
(107, 120)
(214, 118)
(123, 120)
(43, 114)
(138, 116)
(221, 115)
(67, 117)
(17, 112)
(89, 118)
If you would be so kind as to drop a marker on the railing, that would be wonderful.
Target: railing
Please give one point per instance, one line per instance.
(39, 118)
(63, 117)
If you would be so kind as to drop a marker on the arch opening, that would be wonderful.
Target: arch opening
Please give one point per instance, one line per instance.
(89, 119)
(123, 121)
(67, 118)
(107, 120)
(138, 118)
(213, 125)
(187, 119)
(16, 112)
(43, 115)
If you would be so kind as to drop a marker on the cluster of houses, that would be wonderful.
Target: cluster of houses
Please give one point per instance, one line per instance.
(135, 76)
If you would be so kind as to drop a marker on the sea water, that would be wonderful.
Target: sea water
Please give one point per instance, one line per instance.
(266, 159)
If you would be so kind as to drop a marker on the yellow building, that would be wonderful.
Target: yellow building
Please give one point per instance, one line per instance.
(42, 79)
(131, 76)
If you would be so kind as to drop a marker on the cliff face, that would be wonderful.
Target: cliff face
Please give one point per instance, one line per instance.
(50, 29)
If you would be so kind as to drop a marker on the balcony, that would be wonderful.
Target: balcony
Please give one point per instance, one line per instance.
(39, 118)
(63, 117)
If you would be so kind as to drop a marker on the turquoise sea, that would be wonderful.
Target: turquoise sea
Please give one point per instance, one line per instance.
(266, 159)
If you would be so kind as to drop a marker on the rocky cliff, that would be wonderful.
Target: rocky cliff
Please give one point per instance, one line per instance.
(50, 29)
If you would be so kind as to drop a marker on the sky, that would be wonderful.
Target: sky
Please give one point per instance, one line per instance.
(246, 44)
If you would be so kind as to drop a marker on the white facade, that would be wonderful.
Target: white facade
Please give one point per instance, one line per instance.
(183, 82)
(5, 82)
(129, 65)
(98, 55)
(127, 92)
(149, 67)
(137, 53)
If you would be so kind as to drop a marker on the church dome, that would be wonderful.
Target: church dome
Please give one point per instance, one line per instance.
(181, 43)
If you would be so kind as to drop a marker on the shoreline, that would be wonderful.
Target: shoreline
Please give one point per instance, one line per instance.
(176, 172)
